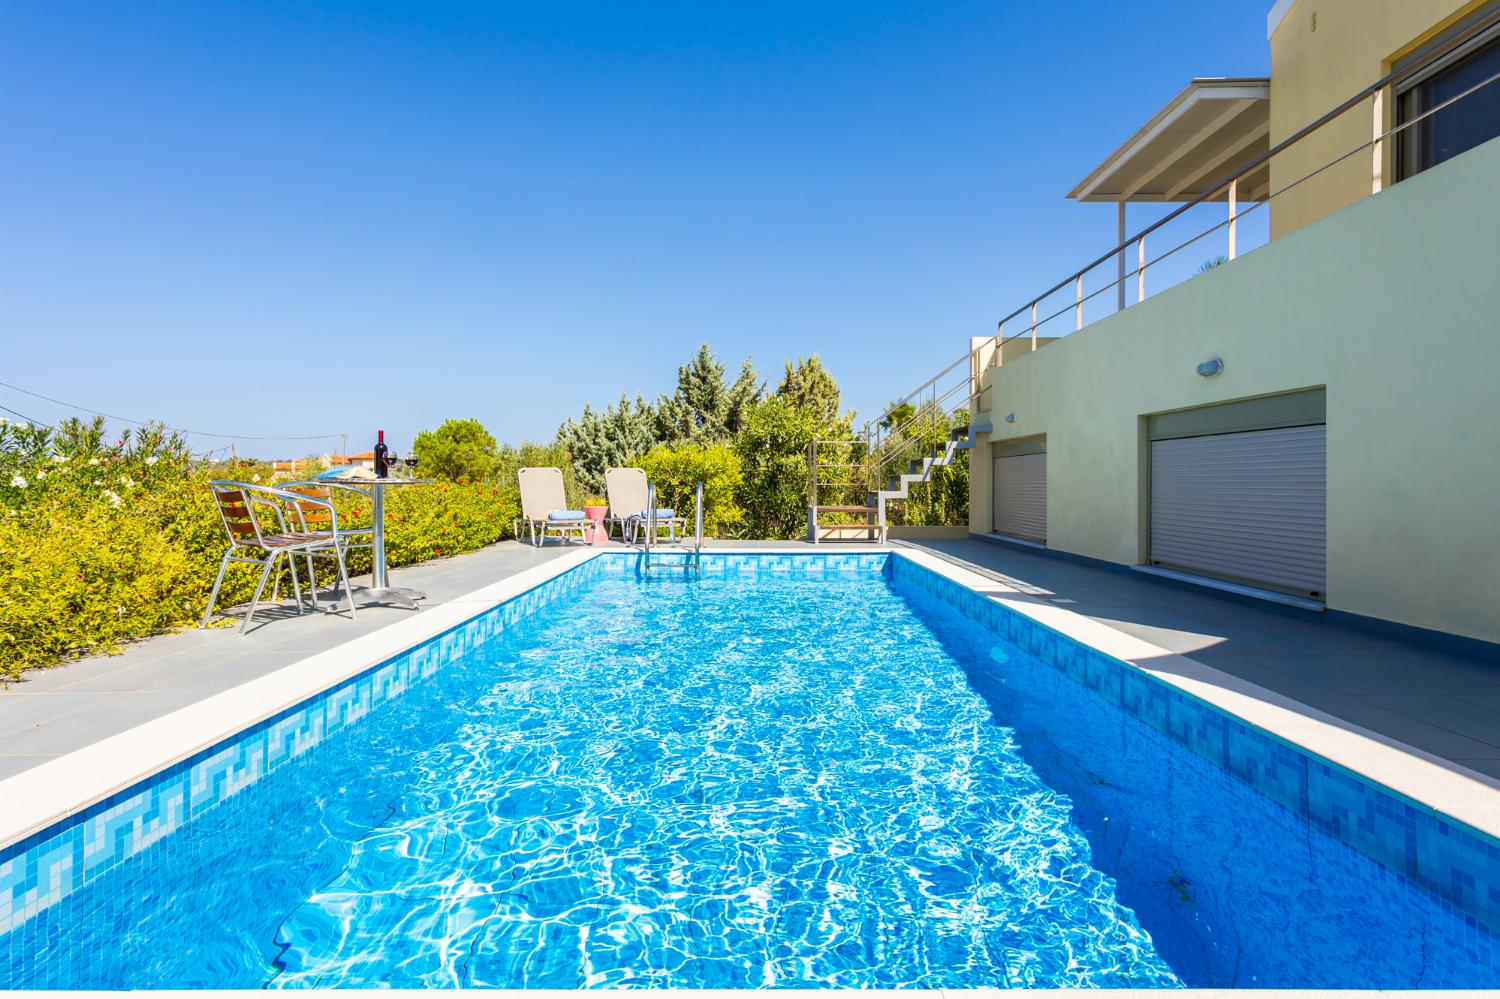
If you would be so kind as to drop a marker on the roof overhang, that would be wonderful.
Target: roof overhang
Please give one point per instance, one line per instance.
(1203, 134)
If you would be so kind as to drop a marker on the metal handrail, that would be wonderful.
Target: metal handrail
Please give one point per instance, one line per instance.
(1271, 196)
(1416, 67)
(651, 528)
(698, 528)
(650, 522)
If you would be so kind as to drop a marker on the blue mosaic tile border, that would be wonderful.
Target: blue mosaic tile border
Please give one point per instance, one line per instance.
(1454, 861)
(718, 564)
(40, 870)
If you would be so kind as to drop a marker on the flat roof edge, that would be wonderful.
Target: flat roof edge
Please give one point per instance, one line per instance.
(1277, 15)
(1198, 86)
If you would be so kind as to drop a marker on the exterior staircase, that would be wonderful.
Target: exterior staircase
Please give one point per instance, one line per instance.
(851, 482)
(920, 470)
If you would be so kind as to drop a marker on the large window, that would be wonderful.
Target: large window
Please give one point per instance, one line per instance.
(1461, 125)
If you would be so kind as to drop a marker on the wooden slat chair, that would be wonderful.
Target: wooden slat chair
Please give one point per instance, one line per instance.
(312, 513)
(242, 507)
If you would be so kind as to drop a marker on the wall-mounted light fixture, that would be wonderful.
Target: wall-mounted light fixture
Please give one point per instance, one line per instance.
(1010, 417)
(1210, 367)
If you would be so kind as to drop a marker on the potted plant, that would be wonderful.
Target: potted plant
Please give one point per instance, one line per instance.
(594, 508)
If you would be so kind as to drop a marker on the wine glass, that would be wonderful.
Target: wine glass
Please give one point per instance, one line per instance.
(411, 465)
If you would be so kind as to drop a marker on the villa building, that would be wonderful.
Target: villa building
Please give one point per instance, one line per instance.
(1315, 420)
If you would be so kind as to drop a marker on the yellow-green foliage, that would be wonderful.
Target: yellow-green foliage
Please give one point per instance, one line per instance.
(677, 470)
(101, 542)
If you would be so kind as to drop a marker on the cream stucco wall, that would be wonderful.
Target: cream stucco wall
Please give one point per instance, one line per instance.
(1322, 53)
(1393, 305)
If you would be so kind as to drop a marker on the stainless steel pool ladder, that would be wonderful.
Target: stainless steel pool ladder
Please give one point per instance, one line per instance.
(692, 558)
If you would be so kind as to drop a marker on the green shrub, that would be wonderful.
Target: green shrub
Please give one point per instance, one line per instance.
(676, 471)
(773, 451)
(102, 543)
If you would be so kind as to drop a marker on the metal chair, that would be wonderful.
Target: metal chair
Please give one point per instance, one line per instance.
(313, 514)
(241, 506)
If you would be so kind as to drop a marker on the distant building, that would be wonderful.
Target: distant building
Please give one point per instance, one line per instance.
(365, 460)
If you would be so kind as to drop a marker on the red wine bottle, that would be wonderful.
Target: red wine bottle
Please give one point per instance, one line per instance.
(380, 452)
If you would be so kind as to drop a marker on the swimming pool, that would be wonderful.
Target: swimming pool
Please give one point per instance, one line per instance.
(793, 771)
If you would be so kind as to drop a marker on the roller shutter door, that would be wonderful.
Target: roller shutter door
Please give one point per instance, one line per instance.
(1243, 506)
(1020, 496)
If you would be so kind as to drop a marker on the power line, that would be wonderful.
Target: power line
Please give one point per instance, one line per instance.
(35, 423)
(142, 423)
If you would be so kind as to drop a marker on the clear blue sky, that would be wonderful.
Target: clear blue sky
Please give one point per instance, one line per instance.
(276, 217)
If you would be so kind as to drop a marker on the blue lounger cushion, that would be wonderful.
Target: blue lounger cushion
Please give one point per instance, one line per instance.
(666, 514)
(566, 515)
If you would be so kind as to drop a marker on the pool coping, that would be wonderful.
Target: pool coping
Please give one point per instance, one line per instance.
(42, 796)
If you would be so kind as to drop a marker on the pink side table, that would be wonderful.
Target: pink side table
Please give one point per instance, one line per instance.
(598, 534)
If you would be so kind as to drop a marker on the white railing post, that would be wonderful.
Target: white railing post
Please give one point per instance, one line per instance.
(1377, 150)
(1140, 269)
(1234, 217)
(1078, 297)
(999, 344)
(1033, 326)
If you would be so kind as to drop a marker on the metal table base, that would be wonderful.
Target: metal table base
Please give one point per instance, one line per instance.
(387, 596)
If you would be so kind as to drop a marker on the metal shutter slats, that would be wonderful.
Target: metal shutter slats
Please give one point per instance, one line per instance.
(1020, 496)
(1249, 506)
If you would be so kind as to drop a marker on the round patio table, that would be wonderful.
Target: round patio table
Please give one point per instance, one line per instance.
(380, 591)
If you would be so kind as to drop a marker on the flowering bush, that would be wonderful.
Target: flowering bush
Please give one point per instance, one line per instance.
(103, 542)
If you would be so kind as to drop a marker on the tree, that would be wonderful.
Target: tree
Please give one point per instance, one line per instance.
(773, 452)
(746, 391)
(897, 415)
(459, 450)
(608, 440)
(809, 385)
(705, 409)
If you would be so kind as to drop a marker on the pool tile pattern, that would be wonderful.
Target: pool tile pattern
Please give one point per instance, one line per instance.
(1457, 863)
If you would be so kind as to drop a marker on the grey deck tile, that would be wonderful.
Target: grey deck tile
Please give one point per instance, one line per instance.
(22, 712)
(1267, 673)
(230, 672)
(1466, 718)
(120, 713)
(1342, 676)
(1488, 767)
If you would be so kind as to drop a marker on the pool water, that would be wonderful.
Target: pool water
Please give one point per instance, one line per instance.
(755, 781)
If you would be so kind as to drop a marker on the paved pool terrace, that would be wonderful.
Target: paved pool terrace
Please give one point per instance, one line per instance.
(1442, 704)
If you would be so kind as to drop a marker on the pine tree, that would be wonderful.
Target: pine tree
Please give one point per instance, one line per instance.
(746, 391)
(809, 385)
(705, 409)
(610, 439)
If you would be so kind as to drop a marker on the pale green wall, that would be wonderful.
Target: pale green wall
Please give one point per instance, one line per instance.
(1394, 305)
